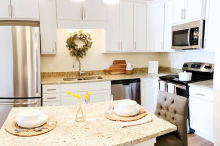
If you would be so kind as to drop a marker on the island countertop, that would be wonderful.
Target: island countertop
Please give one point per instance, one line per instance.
(100, 131)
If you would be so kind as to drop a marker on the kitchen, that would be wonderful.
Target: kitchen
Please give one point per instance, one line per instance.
(138, 33)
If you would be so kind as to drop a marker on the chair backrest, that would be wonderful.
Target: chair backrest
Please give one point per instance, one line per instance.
(173, 108)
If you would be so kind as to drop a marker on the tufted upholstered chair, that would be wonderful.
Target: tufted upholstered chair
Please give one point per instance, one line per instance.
(173, 108)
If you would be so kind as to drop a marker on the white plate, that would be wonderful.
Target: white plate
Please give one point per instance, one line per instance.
(41, 120)
(126, 113)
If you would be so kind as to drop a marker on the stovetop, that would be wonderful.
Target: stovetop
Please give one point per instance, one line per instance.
(175, 79)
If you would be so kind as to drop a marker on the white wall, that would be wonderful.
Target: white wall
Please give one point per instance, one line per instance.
(176, 59)
(94, 60)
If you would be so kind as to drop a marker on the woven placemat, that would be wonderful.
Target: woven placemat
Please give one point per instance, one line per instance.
(142, 113)
(11, 125)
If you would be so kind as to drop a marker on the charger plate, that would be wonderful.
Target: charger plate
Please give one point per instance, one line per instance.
(11, 125)
(114, 117)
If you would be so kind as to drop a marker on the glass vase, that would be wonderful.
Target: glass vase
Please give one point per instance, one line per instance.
(80, 115)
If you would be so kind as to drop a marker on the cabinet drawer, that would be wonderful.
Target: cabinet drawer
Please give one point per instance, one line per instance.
(201, 93)
(51, 97)
(51, 88)
(79, 87)
(57, 103)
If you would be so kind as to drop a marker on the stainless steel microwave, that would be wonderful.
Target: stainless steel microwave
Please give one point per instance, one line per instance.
(189, 35)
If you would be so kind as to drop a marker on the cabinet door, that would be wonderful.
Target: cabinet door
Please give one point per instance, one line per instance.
(48, 25)
(69, 10)
(194, 9)
(168, 26)
(212, 27)
(98, 96)
(25, 9)
(5, 9)
(69, 100)
(147, 98)
(112, 28)
(94, 10)
(140, 27)
(202, 118)
(155, 26)
(126, 26)
(178, 10)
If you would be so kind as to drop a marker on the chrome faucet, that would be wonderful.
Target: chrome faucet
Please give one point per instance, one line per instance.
(80, 73)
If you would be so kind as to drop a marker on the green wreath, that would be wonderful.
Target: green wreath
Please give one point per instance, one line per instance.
(73, 47)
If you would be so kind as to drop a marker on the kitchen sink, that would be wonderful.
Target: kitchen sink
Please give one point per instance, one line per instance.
(83, 78)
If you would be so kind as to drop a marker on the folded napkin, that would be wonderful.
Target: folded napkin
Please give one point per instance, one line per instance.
(144, 120)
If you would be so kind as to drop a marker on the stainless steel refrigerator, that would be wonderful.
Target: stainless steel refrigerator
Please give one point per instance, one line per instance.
(20, 76)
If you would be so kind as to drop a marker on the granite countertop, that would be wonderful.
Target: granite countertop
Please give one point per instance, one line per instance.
(203, 84)
(59, 79)
(95, 132)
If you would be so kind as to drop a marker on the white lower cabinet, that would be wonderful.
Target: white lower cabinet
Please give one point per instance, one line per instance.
(201, 113)
(58, 93)
(149, 91)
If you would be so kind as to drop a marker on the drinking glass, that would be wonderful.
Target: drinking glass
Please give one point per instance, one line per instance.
(50, 109)
(108, 103)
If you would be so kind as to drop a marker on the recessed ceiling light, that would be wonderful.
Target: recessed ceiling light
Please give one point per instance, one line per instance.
(78, 0)
(111, 1)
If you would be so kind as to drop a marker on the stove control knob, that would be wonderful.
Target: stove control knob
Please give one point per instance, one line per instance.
(208, 67)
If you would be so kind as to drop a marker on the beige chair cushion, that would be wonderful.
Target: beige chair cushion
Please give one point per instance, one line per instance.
(173, 108)
(168, 140)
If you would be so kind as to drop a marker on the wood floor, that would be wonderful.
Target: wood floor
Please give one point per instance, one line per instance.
(195, 140)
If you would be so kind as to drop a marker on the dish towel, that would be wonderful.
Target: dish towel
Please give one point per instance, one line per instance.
(162, 86)
(171, 88)
(144, 120)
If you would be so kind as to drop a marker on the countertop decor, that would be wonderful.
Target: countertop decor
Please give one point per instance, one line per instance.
(98, 132)
(73, 47)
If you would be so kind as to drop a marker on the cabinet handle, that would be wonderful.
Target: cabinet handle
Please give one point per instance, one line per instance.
(12, 9)
(55, 46)
(184, 13)
(204, 42)
(9, 10)
(118, 45)
(200, 94)
(135, 45)
(84, 13)
(121, 45)
(81, 9)
(51, 98)
(51, 89)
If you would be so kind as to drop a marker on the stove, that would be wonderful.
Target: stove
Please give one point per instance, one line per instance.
(200, 72)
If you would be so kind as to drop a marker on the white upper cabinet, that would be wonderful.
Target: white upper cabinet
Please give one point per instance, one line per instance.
(140, 27)
(155, 27)
(88, 10)
(212, 27)
(19, 9)
(25, 9)
(48, 26)
(94, 10)
(187, 10)
(5, 9)
(178, 8)
(168, 26)
(126, 26)
(113, 28)
(69, 10)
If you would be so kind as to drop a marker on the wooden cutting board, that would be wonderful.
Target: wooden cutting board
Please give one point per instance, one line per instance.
(118, 67)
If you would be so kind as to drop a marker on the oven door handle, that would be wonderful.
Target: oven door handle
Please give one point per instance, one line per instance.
(189, 37)
(181, 87)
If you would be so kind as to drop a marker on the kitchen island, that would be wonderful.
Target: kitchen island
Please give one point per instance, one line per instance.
(97, 131)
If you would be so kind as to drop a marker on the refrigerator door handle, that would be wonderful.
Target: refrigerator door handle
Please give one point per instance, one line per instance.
(36, 88)
(12, 103)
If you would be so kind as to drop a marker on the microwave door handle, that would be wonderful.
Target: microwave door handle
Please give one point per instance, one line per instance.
(189, 37)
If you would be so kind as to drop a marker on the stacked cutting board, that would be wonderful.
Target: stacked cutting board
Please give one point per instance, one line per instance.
(118, 67)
